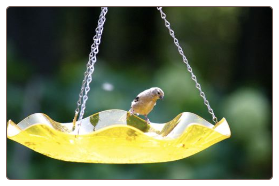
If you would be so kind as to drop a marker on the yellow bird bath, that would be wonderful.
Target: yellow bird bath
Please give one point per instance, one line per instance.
(115, 136)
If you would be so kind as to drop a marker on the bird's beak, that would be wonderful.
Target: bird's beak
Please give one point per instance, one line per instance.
(161, 97)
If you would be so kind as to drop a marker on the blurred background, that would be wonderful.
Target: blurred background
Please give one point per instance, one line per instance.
(229, 49)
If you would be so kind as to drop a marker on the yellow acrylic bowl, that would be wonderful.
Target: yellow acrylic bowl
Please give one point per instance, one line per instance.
(116, 136)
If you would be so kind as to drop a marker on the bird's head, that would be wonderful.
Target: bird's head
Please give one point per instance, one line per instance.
(157, 92)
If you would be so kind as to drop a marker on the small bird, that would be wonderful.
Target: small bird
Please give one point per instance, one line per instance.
(145, 101)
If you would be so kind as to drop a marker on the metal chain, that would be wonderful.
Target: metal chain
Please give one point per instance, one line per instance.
(85, 88)
(185, 60)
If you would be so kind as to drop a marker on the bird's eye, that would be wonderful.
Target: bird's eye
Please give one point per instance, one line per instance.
(159, 93)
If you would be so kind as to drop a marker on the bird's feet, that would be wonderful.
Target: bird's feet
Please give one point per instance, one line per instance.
(131, 111)
(147, 120)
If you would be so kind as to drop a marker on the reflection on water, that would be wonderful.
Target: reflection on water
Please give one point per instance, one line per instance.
(117, 117)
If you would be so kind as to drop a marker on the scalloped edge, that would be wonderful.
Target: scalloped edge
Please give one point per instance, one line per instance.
(221, 127)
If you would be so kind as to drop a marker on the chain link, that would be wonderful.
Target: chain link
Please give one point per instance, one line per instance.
(85, 88)
(185, 60)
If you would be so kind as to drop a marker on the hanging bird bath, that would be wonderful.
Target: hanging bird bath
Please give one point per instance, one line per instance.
(116, 136)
